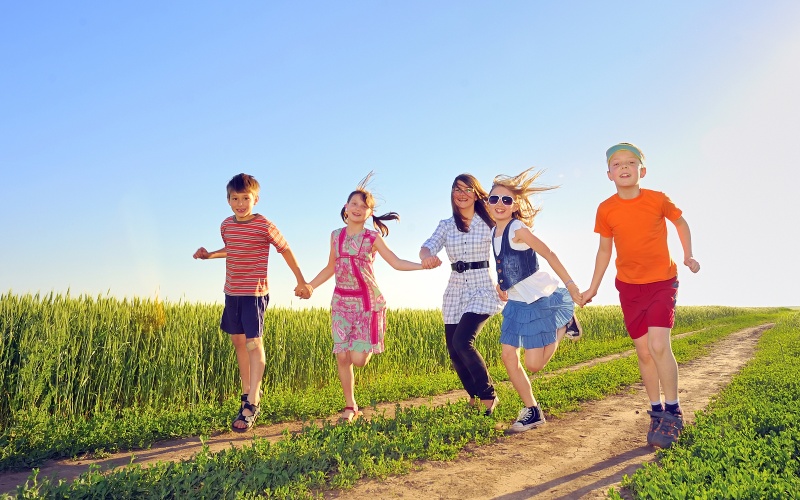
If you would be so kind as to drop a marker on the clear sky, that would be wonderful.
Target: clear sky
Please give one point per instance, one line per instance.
(121, 123)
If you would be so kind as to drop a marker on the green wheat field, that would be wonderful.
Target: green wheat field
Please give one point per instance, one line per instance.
(85, 376)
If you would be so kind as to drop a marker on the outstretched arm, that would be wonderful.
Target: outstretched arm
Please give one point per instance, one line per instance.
(525, 235)
(600, 265)
(392, 259)
(685, 236)
(204, 254)
(326, 273)
(301, 290)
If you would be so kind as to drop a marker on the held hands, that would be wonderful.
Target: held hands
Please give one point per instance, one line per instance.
(576, 294)
(201, 253)
(587, 296)
(501, 293)
(303, 291)
(431, 262)
(692, 264)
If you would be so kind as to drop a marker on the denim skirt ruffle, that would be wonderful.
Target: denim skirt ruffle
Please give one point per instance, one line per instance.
(534, 325)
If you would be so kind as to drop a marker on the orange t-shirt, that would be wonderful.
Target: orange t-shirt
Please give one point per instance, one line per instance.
(639, 230)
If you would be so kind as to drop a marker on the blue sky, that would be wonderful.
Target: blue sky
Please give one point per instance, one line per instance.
(121, 123)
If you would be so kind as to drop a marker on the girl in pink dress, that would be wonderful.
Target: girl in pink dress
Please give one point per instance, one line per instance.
(358, 309)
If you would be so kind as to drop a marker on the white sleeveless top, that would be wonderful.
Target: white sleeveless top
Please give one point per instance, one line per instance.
(534, 287)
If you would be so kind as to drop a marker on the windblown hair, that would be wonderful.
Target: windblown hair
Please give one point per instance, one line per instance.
(522, 187)
(480, 202)
(243, 183)
(367, 197)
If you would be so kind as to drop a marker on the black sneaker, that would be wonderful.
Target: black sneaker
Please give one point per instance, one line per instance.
(574, 330)
(528, 418)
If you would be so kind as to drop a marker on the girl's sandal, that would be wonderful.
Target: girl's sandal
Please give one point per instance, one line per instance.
(353, 414)
(249, 420)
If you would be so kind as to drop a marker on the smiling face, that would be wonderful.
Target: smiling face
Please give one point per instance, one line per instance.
(625, 170)
(357, 209)
(500, 211)
(242, 204)
(463, 196)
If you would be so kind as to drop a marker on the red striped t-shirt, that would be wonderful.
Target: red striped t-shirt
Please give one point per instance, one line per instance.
(247, 246)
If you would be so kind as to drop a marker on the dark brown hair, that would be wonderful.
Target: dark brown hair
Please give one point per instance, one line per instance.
(243, 183)
(480, 202)
(369, 200)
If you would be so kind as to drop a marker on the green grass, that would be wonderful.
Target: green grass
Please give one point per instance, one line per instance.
(335, 456)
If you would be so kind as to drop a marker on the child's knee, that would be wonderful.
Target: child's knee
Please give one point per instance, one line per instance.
(252, 344)
(533, 366)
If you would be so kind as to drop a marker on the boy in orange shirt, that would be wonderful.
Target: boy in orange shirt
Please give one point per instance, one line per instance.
(633, 221)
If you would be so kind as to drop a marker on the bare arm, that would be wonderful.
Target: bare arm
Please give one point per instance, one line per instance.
(526, 236)
(685, 236)
(392, 259)
(327, 272)
(600, 265)
(204, 254)
(429, 261)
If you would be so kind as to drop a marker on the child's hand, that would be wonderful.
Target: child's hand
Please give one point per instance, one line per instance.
(575, 293)
(303, 291)
(587, 296)
(201, 253)
(501, 293)
(431, 262)
(692, 264)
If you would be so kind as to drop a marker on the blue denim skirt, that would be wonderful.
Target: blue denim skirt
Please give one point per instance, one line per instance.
(534, 325)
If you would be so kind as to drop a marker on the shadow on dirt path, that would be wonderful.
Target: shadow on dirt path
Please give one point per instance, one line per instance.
(590, 449)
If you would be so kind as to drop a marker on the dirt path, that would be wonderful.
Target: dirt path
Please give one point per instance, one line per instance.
(581, 454)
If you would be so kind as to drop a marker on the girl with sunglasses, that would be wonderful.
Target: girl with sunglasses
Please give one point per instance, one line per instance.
(358, 308)
(470, 297)
(538, 312)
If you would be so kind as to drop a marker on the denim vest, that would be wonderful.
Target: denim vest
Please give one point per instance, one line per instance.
(512, 265)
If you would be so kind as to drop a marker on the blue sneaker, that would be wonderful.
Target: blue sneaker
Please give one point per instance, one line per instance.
(528, 418)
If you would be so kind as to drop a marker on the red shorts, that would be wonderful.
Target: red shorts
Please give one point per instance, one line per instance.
(648, 304)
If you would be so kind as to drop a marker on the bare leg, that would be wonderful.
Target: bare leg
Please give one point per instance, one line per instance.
(251, 380)
(647, 367)
(536, 359)
(660, 346)
(243, 360)
(344, 366)
(517, 374)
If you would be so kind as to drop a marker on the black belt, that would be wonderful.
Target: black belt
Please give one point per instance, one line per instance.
(462, 266)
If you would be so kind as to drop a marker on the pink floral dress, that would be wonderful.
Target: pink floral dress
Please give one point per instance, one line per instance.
(358, 309)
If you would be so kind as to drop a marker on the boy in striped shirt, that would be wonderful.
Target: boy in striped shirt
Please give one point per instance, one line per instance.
(247, 237)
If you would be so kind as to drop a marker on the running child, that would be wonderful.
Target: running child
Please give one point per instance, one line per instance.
(634, 222)
(247, 238)
(358, 308)
(538, 313)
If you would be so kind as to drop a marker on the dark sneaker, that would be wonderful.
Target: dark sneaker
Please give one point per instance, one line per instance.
(667, 431)
(574, 330)
(655, 421)
(528, 418)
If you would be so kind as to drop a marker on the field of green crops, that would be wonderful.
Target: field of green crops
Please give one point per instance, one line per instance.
(96, 374)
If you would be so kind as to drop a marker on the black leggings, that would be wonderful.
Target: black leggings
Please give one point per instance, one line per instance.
(467, 361)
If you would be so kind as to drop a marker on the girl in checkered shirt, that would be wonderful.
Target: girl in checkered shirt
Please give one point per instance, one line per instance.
(470, 298)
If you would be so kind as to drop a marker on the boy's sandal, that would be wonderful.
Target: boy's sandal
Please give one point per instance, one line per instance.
(241, 407)
(249, 420)
(353, 414)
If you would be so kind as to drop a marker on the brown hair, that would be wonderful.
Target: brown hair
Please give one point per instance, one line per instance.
(480, 202)
(369, 200)
(521, 186)
(243, 183)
